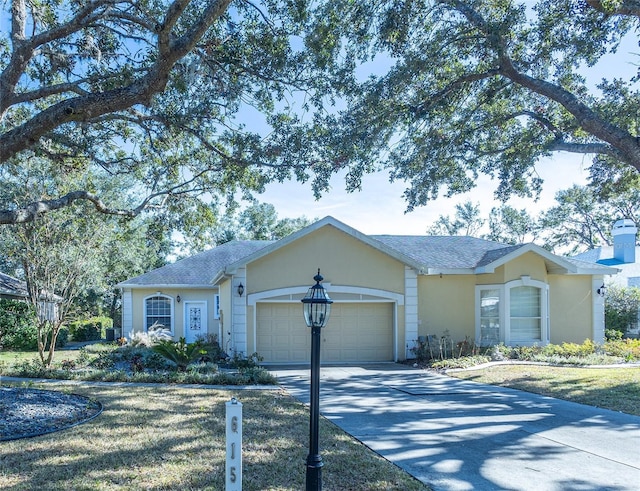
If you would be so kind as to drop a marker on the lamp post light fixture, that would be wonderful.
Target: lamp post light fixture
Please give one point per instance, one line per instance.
(240, 289)
(316, 306)
(602, 291)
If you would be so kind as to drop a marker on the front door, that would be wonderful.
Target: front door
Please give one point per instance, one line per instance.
(195, 322)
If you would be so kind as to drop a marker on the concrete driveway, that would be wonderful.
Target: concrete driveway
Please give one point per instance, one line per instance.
(458, 435)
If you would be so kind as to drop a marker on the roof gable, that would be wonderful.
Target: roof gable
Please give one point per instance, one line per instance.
(327, 221)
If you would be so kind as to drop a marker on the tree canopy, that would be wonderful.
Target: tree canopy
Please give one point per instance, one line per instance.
(484, 87)
(211, 98)
(157, 91)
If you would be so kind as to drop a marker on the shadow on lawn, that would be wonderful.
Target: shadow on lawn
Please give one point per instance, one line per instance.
(174, 438)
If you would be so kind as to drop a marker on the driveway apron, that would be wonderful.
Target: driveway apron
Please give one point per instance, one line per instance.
(457, 435)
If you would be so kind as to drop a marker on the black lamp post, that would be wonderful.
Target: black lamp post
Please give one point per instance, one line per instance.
(316, 306)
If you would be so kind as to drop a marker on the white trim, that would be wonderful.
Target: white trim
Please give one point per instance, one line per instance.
(295, 294)
(127, 312)
(144, 310)
(205, 317)
(239, 313)
(504, 310)
(410, 312)
(597, 309)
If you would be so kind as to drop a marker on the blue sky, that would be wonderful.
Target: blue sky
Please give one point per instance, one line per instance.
(380, 209)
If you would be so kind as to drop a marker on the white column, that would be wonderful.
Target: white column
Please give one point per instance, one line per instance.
(410, 310)
(239, 313)
(127, 312)
(598, 309)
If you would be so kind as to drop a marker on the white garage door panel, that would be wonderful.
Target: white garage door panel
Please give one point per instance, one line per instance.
(354, 333)
(359, 332)
(282, 336)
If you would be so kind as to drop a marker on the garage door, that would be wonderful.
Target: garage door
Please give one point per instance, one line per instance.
(355, 333)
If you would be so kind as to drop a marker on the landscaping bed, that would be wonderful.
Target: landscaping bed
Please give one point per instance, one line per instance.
(110, 362)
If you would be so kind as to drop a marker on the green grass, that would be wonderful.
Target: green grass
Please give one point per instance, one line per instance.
(617, 389)
(171, 438)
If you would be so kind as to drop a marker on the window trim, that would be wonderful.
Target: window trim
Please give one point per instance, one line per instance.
(504, 310)
(171, 305)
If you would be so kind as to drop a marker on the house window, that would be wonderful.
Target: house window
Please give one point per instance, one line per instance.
(216, 307)
(515, 313)
(489, 317)
(525, 306)
(159, 312)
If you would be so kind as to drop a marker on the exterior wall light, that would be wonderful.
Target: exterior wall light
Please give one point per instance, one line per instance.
(240, 289)
(178, 299)
(602, 291)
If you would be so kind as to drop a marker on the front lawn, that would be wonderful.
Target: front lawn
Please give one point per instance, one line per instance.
(174, 438)
(617, 389)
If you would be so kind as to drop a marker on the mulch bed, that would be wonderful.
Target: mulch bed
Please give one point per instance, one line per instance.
(26, 412)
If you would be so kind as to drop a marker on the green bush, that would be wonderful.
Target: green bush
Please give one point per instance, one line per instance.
(17, 326)
(90, 329)
(180, 353)
(613, 334)
(621, 308)
(628, 349)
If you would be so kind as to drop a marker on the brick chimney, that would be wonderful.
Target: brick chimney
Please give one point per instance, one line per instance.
(624, 240)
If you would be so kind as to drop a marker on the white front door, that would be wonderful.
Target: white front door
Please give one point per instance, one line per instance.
(195, 322)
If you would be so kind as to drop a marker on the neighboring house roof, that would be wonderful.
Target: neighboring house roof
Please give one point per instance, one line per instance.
(199, 270)
(12, 287)
(629, 273)
(427, 254)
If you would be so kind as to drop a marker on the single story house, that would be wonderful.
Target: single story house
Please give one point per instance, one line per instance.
(387, 290)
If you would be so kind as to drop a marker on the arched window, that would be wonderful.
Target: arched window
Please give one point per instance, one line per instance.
(158, 312)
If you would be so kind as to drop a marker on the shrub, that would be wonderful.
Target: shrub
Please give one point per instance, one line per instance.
(613, 334)
(90, 329)
(461, 362)
(17, 326)
(212, 347)
(627, 349)
(240, 361)
(621, 308)
(180, 353)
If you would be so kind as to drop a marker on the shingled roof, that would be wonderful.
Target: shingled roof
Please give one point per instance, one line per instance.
(199, 270)
(444, 252)
(12, 287)
(428, 254)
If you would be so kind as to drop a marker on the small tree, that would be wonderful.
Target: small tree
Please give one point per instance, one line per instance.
(621, 308)
(59, 258)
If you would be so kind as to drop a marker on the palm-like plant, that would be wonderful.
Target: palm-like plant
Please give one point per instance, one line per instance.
(181, 353)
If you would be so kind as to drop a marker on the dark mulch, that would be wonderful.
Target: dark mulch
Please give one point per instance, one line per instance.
(26, 412)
